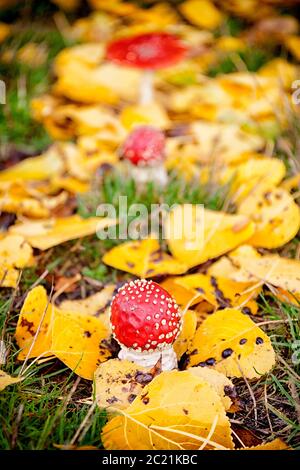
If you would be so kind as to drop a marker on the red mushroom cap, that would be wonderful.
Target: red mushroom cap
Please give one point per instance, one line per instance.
(144, 317)
(147, 51)
(144, 146)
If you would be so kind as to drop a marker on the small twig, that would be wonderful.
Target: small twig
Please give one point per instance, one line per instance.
(267, 408)
(251, 394)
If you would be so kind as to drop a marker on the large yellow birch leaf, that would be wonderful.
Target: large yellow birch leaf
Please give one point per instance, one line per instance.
(48, 233)
(276, 215)
(231, 343)
(177, 410)
(195, 235)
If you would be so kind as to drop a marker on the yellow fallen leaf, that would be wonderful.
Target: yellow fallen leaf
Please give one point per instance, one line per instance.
(224, 143)
(150, 114)
(116, 7)
(230, 44)
(177, 410)
(231, 343)
(284, 71)
(15, 251)
(182, 295)
(253, 174)
(117, 383)
(195, 236)
(221, 292)
(271, 269)
(6, 380)
(186, 335)
(276, 215)
(33, 331)
(35, 168)
(143, 258)
(202, 13)
(49, 233)
(93, 305)
(77, 339)
(15, 254)
(221, 384)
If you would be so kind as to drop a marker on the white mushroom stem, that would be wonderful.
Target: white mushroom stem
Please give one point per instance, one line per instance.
(147, 87)
(149, 359)
(155, 173)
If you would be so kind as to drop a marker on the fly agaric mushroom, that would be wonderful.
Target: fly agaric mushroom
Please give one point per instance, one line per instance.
(145, 321)
(149, 52)
(144, 151)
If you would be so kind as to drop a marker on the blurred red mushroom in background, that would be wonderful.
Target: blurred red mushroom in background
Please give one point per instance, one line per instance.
(149, 52)
(144, 152)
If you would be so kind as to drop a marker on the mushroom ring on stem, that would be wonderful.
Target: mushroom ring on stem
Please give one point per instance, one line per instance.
(144, 152)
(149, 52)
(145, 321)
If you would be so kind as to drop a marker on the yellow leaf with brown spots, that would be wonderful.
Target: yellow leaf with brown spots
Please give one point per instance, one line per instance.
(196, 235)
(221, 292)
(143, 258)
(231, 343)
(77, 339)
(187, 333)
(177, 410)
(6, 380)
(49, 233)
(33, 332)
(117, 382)
(276, 215)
